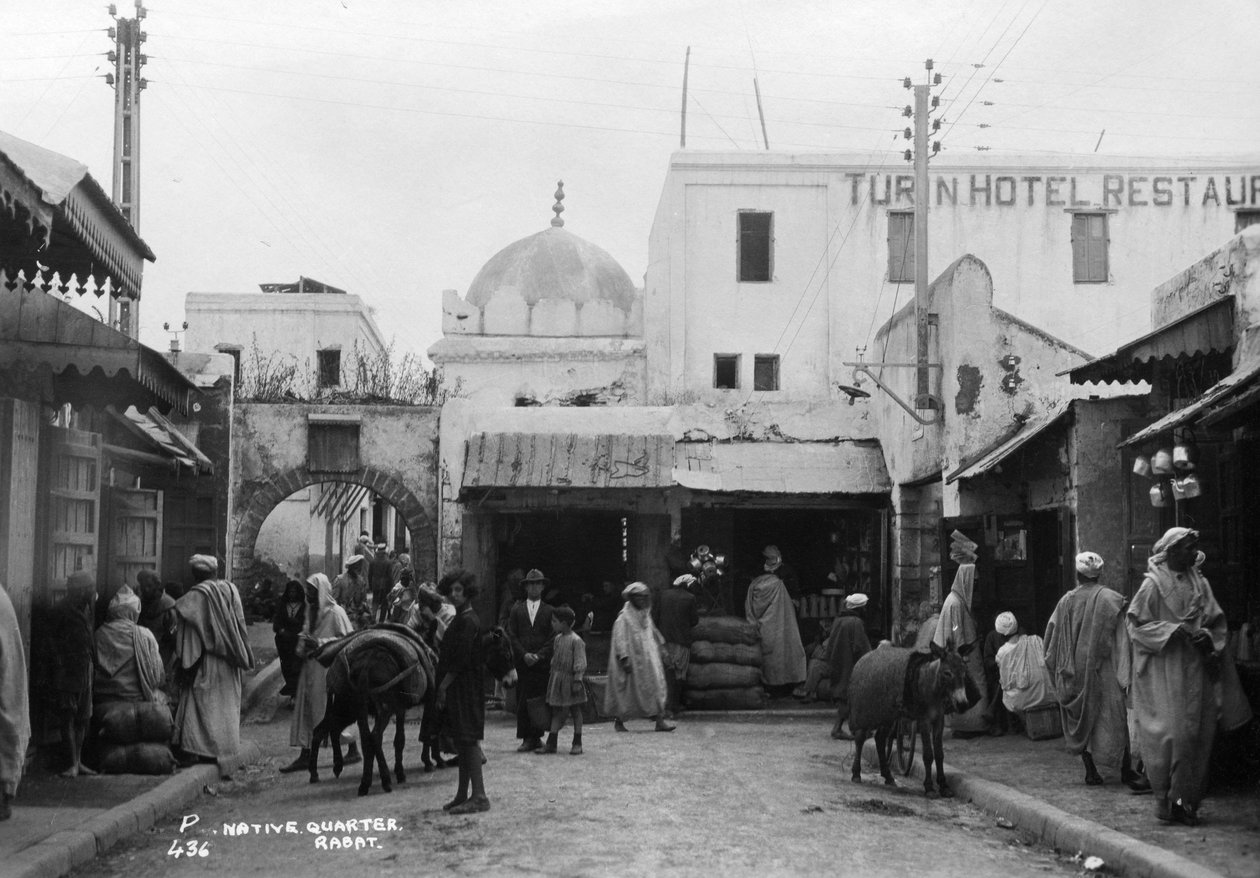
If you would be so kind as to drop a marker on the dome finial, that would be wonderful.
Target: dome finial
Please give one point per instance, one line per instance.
(558, 208)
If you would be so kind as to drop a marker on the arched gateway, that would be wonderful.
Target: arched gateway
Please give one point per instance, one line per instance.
(278, 449)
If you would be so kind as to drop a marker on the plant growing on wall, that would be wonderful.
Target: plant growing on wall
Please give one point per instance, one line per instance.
(381, 377)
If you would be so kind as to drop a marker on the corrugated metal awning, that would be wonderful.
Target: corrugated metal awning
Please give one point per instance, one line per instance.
(1004, 449)
(92, 364)
(1219, 395)
(855, 467)
(567, 460)
(54, 217)
(1205, 330)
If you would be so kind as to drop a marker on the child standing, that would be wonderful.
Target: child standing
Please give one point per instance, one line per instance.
(565, 691)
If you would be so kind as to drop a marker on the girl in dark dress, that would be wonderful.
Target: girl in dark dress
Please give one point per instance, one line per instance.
(287, 624)
(461, 699)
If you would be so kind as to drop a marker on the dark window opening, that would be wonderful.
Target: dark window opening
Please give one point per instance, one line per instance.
(766, 372)
(755, 240)
(234, 351)
(901, 248)
(726, 371)
(1089, 248)
(329, 368)
(1244, 218)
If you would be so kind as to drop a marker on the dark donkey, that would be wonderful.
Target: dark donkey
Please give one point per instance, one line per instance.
(380, 672)
(892, 683)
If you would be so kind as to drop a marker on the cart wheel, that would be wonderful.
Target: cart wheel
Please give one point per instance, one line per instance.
(905, 732)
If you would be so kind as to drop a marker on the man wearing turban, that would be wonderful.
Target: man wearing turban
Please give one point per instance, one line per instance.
(212, 649)
(636, 675)
(1178, 633)
(846, 644)
(1083, 640)
(675, 615)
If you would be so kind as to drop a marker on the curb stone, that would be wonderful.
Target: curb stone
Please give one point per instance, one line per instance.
(62, 851)
(1062, 831)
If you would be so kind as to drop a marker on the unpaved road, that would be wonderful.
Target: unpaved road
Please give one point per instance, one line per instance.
(719, 796)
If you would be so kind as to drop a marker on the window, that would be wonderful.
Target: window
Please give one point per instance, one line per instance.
(1089, 248)
(332, 445)
(329, 368)
(756, 237)
(900, 247)
(726, 371)
(1244, 218)
(766, 372)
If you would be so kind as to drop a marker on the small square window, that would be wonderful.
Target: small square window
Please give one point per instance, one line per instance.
(901, 247)
(330, 368)
(766, 372)
(755, 246)
(1089, 248)
(726, 371)
(1244, 218)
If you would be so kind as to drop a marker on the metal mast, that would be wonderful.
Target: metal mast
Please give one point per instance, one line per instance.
(124, 314)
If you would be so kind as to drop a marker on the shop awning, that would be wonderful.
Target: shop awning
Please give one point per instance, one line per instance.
(160, 435)
(55, 218)
(855, 467)
(1209, 329)
(1242, 384)
(91, 363)
(567, 460)
(1004, 449)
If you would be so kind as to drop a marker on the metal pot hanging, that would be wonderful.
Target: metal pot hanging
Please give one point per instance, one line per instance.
(1158, 497)
(1181, 459)
(1141, 465)
(1162, 463)
(1186, 488)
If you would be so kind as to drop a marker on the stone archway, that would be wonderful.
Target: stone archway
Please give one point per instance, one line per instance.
(269, 493)
(391, 450)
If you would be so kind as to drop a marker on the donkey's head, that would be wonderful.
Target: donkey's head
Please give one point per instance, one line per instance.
(951, 677)
(498, 655)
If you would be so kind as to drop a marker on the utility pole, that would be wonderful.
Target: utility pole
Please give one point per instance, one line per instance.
(923, 104)
(124, 314)
(682, 135)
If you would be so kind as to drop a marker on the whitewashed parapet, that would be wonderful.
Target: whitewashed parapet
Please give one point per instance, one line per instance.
(459, 317)
(553, 318)
(507, 313)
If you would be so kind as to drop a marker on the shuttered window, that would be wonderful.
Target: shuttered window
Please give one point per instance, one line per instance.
(726, 371)
(1089, 248)
(766, 372)
(332, 447)
(329, 368)
(756, 238)
(901, 247)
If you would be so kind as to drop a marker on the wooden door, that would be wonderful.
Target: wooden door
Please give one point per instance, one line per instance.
(189, 513)
(649, 541)
(134, 527)
(72, 467)
(19, 492)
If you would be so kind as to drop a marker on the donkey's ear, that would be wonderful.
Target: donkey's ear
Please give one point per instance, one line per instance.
(937, 652)
(966, 648)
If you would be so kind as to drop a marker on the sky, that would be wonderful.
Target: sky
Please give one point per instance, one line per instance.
(391, 147)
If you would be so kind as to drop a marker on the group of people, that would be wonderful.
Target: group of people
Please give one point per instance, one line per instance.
(92, 652)
(1138, 685)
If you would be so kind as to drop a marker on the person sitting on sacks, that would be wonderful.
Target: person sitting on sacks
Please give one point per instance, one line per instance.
(1023, 678)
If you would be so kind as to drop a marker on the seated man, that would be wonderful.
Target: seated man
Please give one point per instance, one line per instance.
(1025, 680)
(817, 686)
(128, 664)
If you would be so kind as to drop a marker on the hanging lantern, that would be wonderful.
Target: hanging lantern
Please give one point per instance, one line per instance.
(1141, 465)
(1181, 459)
(1158, 498)
(1162, 463)
(1186, 488)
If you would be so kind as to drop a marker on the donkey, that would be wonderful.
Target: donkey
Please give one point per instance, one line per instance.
(890, 683)
(376, 673)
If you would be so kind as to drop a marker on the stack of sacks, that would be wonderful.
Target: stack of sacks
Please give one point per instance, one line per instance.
(725, 672)
(135, 738)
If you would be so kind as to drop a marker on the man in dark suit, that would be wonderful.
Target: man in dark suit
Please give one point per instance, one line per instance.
(529, 629)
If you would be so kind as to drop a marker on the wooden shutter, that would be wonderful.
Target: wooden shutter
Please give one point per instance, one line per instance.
(72, 476)
(1089, 248)
(135, 535)
(900, 247)
(19, 492)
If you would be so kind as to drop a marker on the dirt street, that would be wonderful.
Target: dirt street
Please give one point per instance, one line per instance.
(732, 796)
